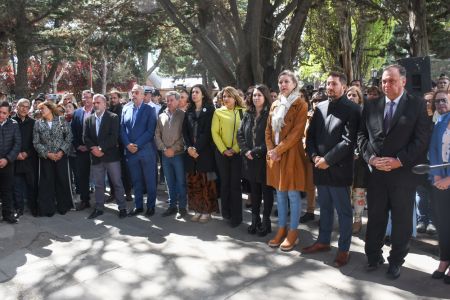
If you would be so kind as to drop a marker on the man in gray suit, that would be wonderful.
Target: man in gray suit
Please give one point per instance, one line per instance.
(101, 136)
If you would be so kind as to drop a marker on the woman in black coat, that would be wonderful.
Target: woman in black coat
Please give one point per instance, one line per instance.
(251, 139)
(199, 161)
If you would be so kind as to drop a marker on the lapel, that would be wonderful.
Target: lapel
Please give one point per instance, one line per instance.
(380, 112)
(102, 123)
(398, 111)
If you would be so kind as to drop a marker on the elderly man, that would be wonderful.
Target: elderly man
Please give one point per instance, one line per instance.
(169, 140)
(83, 159)
(26, 163)
(10, 143)
(101, 136)
(393, 137)
(137, 133)
(330, 143)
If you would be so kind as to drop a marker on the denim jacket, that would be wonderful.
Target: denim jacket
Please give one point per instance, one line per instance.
(435, 150)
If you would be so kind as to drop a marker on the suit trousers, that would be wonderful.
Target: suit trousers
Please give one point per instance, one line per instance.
(55, 192)
(126, 178)
(114, 174)
(230, 186)
(441, 198)
(142, 166)
(384, 194)
(6, 189)
(83, 161)
(329, 198)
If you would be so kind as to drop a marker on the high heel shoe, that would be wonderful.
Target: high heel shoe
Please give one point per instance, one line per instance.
(439, 275)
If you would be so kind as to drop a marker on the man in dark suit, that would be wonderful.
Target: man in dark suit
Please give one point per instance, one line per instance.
(10, 143)
(116, 107)
(101, 136)
(330, 144)
(393, 137)
(138, 136)
(83, 159)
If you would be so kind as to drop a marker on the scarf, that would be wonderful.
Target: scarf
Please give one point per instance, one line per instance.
(281, 110)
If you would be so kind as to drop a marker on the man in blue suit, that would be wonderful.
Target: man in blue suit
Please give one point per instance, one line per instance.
(137, 131)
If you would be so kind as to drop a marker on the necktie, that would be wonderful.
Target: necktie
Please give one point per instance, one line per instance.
(133, 118)
(388, 117)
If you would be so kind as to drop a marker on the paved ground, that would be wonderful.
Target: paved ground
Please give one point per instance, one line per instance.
(70, 257)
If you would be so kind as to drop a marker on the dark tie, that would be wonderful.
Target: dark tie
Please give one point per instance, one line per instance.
(388, 117)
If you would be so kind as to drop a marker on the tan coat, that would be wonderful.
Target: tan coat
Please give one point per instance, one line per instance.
(289, 173)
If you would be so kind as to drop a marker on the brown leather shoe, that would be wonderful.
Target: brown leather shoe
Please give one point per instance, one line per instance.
(279, 237)
(342, 258)
(290, 241)
(356, 227)
(316, 247)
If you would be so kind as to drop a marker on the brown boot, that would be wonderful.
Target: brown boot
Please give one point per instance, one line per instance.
(279, 237)
(342, 258)
(290, 241)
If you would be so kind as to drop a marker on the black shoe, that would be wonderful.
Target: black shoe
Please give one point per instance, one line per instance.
(19, 212)
(96, 213)
(150, 212)
(182, 212)
(256, 223)
(421, 227)
(91, 190)
(83, 205)
(307, 217)
(372, 266)
(110, 199)
(265, 228)
(10, 219)
(393, 271)
(447, 279)
(135, 211)
(170, 211)
(122, 213)
(438, 275)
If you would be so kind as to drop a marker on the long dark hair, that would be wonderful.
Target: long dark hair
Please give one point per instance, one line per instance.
(205, 100)
(266, 93)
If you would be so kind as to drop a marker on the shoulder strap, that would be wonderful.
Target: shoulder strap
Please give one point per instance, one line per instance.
(240, 113)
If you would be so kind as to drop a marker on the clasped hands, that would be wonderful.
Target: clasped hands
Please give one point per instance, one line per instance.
(441, 183)
(95, 150)
(133, 148)
(55, 156)
(192, 152)
(273, 155)
(320, 163)
(385, 164)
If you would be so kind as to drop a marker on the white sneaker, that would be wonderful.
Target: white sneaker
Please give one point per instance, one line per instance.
(204, 218)
(196, 217)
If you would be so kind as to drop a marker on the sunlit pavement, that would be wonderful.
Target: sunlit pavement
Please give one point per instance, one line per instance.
(70, 257)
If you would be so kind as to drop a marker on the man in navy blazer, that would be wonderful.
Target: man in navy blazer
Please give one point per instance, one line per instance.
(137, 130)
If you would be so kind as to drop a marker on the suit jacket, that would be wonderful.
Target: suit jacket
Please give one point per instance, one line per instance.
(107, 138)
(200, 139)
(77, 127)
(143, 132)
(407, 139)
(332, 135)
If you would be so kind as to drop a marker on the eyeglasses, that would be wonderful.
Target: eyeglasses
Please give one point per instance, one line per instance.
(440, 101)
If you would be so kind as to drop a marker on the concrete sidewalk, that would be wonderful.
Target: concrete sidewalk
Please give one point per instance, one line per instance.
(70, 257)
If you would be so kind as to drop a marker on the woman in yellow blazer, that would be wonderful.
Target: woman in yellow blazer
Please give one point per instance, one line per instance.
(225, 124)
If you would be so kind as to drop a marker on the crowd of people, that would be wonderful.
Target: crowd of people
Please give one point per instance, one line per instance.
(355, 149)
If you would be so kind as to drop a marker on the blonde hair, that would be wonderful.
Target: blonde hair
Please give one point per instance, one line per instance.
(357, 91)
(231, 91)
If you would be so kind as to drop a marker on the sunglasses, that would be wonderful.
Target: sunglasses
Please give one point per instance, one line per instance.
(440, 101)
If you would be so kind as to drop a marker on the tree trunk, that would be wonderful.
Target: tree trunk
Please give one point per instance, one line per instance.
(22, 51)
(345, 39)
(104, 73)
(417, 28)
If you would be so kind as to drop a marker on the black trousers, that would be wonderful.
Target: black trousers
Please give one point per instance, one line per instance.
(54, 187)
(441, 200)
(6, 189)
(230, 186)
(126, 178)
(384, 195)
(258, 191)
(83, 161)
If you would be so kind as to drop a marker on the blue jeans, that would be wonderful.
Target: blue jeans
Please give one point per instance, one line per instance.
(175, 179)
(282, 205)
(423, 204)
(338, 197)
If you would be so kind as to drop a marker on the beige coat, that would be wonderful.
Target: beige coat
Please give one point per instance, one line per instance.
(289, 173)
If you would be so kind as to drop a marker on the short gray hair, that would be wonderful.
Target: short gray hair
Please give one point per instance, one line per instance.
(401, 69)
(23, 100)
(138, 87)
(173, 93)
(99, 96)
